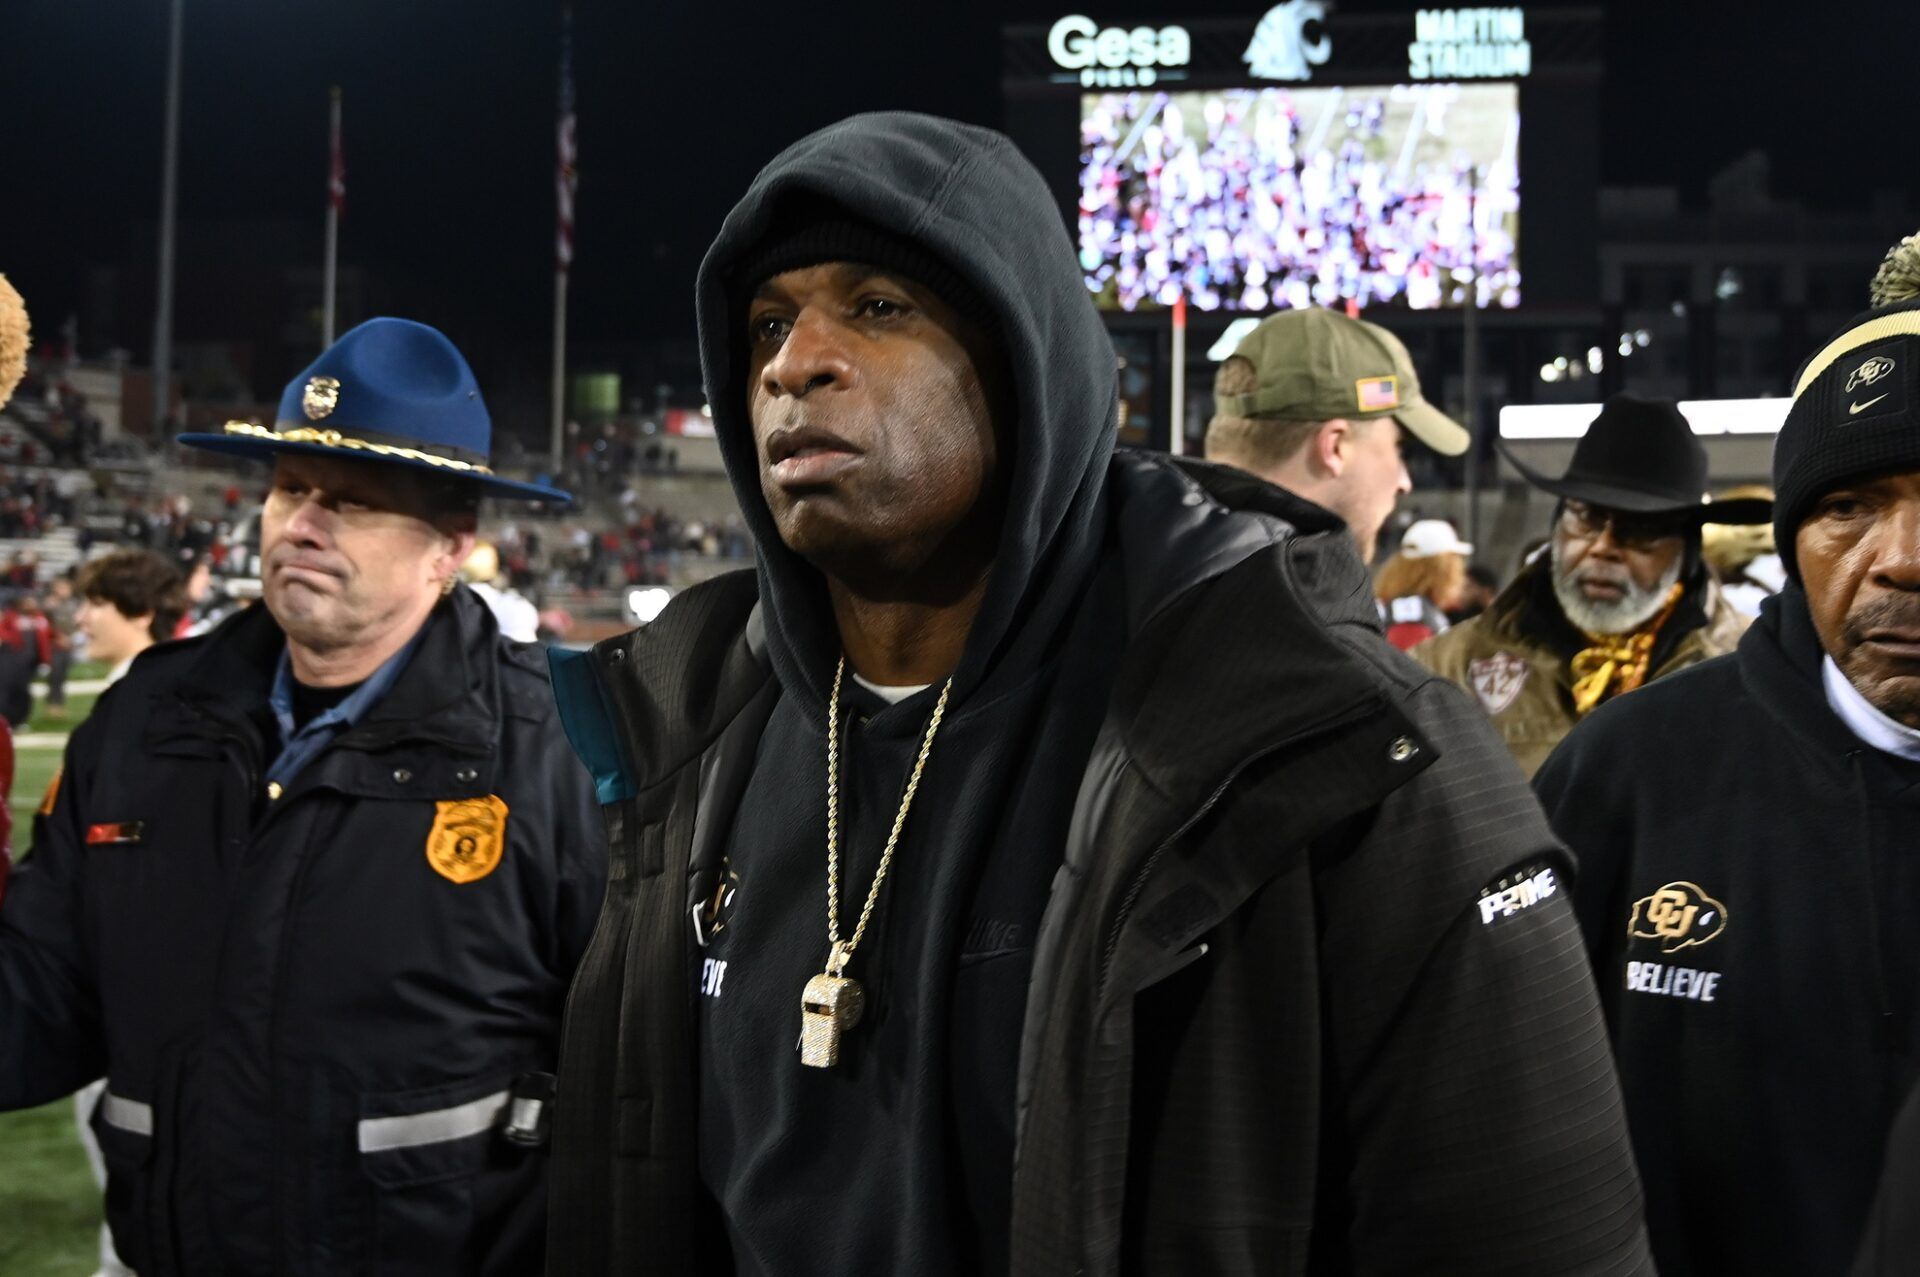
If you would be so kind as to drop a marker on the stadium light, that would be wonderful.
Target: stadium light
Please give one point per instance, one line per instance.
(1230, 340)
(1706, 416)
(648, 602)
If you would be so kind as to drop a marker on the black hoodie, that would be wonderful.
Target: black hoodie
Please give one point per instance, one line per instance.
(900, 1157)
(1750, 891)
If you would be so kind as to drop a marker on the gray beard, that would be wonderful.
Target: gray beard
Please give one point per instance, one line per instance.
(1624, 615)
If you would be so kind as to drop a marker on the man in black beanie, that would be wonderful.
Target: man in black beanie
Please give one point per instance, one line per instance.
(1041, 863)
(1748, 883)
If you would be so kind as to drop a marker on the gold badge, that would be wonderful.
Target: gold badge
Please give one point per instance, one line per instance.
(467, 837)
(320, 397)
(1679, 915)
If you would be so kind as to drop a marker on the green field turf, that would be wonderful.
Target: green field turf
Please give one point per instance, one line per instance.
(49, 1207)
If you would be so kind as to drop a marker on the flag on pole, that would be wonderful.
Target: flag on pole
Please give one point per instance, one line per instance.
(336, 162)
(565, 178)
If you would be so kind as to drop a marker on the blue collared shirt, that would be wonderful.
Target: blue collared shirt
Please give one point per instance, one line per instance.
(299, 746)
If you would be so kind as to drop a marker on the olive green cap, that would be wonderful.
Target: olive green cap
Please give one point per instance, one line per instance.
(1317, 365)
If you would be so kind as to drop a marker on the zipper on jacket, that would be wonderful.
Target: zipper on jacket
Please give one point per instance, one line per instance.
(1134, 888)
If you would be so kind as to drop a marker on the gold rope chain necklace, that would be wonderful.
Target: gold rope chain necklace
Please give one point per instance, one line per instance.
(832, 1002)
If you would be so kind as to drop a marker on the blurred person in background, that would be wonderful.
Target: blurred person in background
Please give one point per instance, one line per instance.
(519, 619)
(1422, 582)
(1481, 588)
(25, 646)
(1621, 597)
(1742, 555)
(63, 626)
(15, 340)
(129, 600)
(1320, 404)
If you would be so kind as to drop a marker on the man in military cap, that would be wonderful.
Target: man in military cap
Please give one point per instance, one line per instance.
(1320, 404)
(312, 886)
(1622, 595)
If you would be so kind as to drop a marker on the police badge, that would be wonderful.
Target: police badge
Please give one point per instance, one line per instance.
(320, 397)
(467, 837)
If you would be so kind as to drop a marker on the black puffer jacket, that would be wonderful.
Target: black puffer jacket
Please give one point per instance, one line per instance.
(307, 1008)
(1308, 997)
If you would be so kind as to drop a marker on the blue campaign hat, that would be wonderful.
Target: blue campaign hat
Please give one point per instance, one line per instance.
(392, 391)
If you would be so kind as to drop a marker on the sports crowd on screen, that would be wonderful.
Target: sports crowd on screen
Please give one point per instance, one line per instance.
(1255, 217)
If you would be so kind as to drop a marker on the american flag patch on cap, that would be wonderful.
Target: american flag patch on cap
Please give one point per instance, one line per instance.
(1377, 394)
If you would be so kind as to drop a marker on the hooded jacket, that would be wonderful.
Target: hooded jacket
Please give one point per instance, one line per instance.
(1263, 1015)
(1515, 656)
(309, 1008)
(1745, 870)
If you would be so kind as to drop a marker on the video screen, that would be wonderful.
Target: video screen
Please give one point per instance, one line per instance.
(1272, 199)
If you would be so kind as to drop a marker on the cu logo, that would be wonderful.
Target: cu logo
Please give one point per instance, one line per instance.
(1679, 915)
(1868, 373)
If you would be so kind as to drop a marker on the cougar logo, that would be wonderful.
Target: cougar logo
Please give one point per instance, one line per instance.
(1279, 50)
(1868, 373)
(1679, 915)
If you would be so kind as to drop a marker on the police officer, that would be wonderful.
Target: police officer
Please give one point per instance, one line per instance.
(311, 888)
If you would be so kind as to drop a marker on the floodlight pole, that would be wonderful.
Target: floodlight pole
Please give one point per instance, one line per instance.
(1470, 353)
(1177, 405)
(169, 182)
(330, 271)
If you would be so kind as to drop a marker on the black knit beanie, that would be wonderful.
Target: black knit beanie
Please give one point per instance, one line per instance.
(1855, 414)
(809, 235)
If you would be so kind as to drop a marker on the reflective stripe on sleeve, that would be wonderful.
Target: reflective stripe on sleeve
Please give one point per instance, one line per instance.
(126, 1115)
(384, 1134)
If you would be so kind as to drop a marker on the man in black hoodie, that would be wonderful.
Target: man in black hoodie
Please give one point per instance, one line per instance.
(1744, 832)
(1041, 863)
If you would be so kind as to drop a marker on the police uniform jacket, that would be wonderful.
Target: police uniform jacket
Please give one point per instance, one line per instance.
(1514, 657)
(311, 1006)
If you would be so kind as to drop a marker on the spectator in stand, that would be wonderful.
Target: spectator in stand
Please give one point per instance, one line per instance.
(1418, 585)
(63, 618)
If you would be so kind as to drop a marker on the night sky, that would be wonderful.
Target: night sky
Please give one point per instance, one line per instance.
(450, 108)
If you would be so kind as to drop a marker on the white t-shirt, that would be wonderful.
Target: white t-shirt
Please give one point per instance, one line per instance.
(1865, 721)
(891, 695)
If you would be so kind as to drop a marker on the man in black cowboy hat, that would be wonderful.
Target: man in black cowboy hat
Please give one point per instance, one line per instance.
(1621, 596)
(311, 886)
(1748, 882)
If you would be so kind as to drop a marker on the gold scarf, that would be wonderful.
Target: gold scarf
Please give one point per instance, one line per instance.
(1617, 662)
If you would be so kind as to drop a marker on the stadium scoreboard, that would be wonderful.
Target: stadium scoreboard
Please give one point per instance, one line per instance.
(1298, 155)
